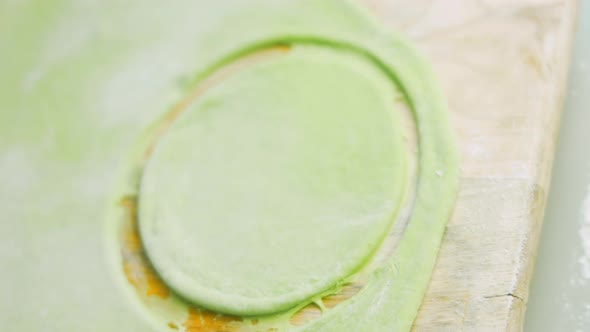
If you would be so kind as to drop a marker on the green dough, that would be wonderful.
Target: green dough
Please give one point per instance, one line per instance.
(231, 275)
(82, 80)
(275, 185)
(246, 203)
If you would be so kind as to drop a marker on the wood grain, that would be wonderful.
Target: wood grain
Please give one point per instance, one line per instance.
(503, 66)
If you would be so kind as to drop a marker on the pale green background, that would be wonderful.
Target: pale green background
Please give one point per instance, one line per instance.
(560, 292)
(78, 81)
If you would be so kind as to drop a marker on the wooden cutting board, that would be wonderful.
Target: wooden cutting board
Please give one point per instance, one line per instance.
(503, 65)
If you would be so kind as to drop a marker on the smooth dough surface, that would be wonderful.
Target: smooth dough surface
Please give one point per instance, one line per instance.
(276, 184)
(393, 294)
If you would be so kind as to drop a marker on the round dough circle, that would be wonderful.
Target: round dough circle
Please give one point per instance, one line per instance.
(276, 184)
